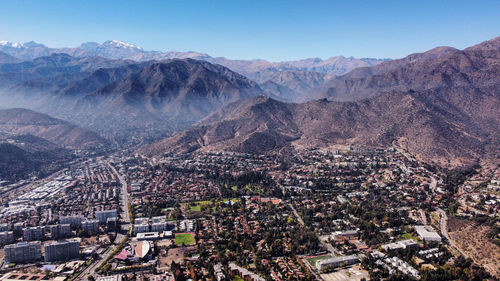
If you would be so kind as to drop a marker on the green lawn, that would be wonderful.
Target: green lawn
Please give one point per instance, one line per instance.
(235, 200)
(409, 236)
(237, 278)
(186, 238)
(196, 206)
(313, 261)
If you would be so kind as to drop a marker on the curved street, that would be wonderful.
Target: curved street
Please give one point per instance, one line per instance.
(444, 231)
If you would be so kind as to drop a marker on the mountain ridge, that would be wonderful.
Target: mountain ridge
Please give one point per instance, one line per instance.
(20, 121)
(448, 118)
(114, 49)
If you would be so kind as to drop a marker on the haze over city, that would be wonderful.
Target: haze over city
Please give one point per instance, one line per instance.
(249, 140)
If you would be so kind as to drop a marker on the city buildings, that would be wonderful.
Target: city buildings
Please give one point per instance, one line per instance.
(33, 233)
(103, 216)
(23, 252)
(6, 237)
(61, 250)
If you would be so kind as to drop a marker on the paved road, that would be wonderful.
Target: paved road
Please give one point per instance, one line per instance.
(123, 195)
(444, 231)
(124, 215)
(323, 240)
(299, 219)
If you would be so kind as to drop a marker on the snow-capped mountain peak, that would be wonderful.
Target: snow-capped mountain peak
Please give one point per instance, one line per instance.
(121, 44)
(11, 44)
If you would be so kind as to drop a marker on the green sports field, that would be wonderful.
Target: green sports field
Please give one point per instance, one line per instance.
(186, 238)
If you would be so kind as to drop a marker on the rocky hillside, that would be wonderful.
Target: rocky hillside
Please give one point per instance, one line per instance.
(292, 85)
(437, 126)
(443, 106)
(476, 67)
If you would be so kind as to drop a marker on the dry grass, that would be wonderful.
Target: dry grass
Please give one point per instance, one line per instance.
(473, 240)
(435, 220)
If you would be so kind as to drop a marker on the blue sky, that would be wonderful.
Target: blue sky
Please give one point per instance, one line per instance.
(273, 30)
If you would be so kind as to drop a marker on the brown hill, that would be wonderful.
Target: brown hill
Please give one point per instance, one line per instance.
(19, 121)
(448, 127)
(443, 67)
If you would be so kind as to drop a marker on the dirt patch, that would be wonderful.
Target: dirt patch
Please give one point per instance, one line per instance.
(175, 254)
(473, 240)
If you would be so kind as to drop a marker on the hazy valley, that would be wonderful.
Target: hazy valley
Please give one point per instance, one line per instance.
(186, 165)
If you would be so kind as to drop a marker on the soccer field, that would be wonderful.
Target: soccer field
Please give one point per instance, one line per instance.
(186, 238)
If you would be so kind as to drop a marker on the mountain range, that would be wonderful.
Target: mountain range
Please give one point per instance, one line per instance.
(257, 69)
(442, 105)
(114, 97)
(443, 67)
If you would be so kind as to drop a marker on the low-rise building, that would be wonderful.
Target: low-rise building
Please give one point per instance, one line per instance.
(427, 233)
(403, 244)
(18, 276)
(332, 263)
(109, 278)
(148, 236)
(345, 235)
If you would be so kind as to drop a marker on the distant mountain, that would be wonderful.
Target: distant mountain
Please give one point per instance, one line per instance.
(442, 67)
(178, 90)
(5, 58)
(116, 95)
(442, 105)
(54, 68)
(21, 121)
(114, 49)
(260, 70)
(293, 85)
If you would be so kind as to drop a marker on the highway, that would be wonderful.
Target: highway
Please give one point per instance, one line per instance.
(125, 217)
(123, 196)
